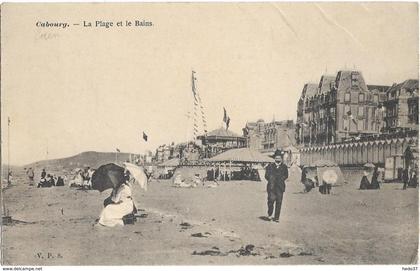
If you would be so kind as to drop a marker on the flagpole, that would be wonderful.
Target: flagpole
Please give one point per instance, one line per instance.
(6, 219)
(8, 150)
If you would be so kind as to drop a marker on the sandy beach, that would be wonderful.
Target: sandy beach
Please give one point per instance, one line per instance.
(220, 226)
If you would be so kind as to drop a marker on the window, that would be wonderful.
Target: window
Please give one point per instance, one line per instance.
(361, 97)
(360, 125)
(347, 97)
(375, 98)
(360, 111)
(353, 79)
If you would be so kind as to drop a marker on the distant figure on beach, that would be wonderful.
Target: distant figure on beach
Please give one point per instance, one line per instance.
(60, 181)
(77, 181)
(50, 180)
(30, 173)
(367, 175)
(43, 183)
(307, 182)
(43, 174)
(374, 184)
(276, 173)
(406, 177)
(409, 177)
(413, 179)
(9, 178)
(87, 176)
(325, 188)
(119, 204)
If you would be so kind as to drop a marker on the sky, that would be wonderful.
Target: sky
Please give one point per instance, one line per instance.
(97, 89)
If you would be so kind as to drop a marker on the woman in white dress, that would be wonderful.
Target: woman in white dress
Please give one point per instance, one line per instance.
(121, 205)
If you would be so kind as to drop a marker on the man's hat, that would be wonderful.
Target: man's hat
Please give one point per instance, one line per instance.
(278, 153)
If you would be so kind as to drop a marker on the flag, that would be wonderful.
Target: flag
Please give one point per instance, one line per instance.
(227, 123)
(193, 85)
(225, 116)
(144, 136)
(118, 150)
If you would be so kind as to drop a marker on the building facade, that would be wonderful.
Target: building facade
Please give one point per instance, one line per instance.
(164, 153)
(339, 108)
(267, 137)
(402, 107)
(220, 140)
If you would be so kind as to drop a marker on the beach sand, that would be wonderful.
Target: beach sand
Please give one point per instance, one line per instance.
(55, 226)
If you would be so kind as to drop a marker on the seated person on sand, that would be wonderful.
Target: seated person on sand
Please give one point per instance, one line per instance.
(118, 205)
(51, 181)
(60, 181)
(306, 181)
(87, 184)
(77, 181)
(309, 184)
(43, 183)
(191, 182)
(177, 179)
(367, 176)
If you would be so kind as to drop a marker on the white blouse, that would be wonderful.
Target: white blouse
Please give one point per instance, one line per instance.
(123, 194)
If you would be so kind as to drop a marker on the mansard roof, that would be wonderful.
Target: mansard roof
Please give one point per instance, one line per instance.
(410, 84)
(325, 83)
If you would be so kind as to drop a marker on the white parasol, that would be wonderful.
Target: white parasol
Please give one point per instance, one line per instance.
(329, 176)
(138, 174)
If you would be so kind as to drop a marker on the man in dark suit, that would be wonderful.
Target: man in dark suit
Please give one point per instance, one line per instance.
(276, 173)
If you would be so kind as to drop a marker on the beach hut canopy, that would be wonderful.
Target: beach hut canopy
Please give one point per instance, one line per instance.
(242, 155)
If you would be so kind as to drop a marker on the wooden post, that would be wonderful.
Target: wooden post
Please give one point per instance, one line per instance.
(224, 172)
(214, 172)
(230, 170)
(219, 172)
(8, 152)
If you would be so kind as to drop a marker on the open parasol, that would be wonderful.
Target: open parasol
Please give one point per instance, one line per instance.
(107, 176)
(329, 176)
(138, 175)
